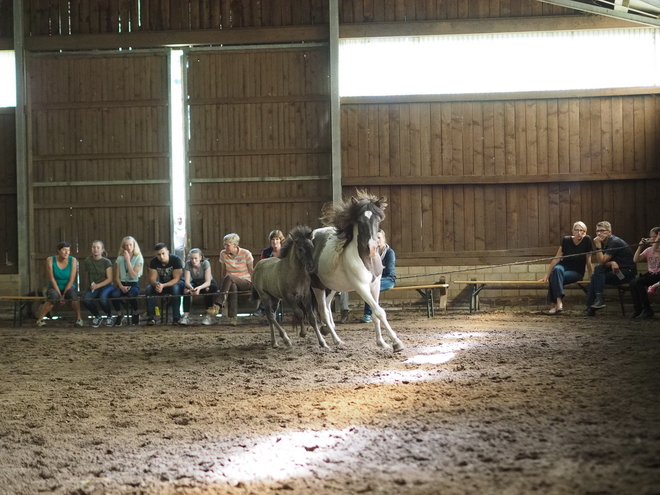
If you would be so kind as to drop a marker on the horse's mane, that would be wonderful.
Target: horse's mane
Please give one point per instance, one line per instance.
(298, 233)
(342, 216)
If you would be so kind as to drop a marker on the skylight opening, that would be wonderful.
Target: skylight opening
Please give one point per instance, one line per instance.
(520, 62)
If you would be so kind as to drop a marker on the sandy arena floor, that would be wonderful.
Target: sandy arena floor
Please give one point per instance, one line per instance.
(492, 403)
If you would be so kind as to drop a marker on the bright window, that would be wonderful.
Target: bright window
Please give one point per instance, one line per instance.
(8, 79)
(499, 63)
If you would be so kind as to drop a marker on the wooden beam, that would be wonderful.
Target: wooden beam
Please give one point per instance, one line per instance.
(238, 36)
(483, 26)
(519, 95)
(650, 20)
(496, 179)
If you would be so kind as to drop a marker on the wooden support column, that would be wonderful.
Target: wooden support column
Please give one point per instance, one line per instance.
(22, 175)
(335, 122)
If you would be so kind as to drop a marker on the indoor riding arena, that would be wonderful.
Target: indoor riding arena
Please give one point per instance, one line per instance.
(487, 131)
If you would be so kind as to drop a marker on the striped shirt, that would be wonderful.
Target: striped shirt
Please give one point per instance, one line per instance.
(237, 265)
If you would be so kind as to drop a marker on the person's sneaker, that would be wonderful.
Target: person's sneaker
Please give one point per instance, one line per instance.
(96, 322)
(110, 321)
(151, 321)
(366, 319)
(646, 314)
(79, 323)
(213, 310)
(135, 319)
(599, 303)
(41, 323)
(233, 320)
(184, 321)
(259, 312)
(589, 312)
(119, 320)
(207, 320)
(344, 316)
(175, 321)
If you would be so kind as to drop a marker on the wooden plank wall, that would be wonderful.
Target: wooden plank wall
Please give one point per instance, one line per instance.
(100, 160)
(123, 16)
(472, 179)
(8, 218)
(6, 18)
(259, 146)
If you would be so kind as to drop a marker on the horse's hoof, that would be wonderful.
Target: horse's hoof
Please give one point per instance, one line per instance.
(325, 330)
(398, 347)
(288, 343)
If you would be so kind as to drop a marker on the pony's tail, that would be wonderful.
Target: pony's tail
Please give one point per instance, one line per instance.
(255, 295)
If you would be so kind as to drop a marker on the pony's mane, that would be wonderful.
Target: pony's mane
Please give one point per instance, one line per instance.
(342, 216)
(298, 233)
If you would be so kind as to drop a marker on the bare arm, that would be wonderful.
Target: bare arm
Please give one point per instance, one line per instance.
(176, 277)
(153, 277)
(638, 258)
(51, 276)
(72, 276)
(557, 259)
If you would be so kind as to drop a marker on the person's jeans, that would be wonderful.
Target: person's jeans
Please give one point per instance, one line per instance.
(603, 276)
(385, 284)
(102, 295)
(132, 292)
(175, 302)
(209, 296)
(560, 276)
(638, 291)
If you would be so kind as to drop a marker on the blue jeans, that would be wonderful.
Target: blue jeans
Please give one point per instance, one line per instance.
(175, 302)
(385, 284)
(102, 295)
(132, 292)
(605, 276)
(560, 276)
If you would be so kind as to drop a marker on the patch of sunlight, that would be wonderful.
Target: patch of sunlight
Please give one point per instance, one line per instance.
(282, 456)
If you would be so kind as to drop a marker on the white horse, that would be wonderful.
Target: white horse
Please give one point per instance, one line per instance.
(347, 260)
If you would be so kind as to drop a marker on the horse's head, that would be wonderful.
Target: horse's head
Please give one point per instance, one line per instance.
(368, 218)
(364, 210)
(300, 241)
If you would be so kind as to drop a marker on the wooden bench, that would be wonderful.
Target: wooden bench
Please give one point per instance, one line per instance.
(478, 285)
(426, 291)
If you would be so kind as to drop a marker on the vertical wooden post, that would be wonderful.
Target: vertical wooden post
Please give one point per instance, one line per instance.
(22, 173)
(335, 123)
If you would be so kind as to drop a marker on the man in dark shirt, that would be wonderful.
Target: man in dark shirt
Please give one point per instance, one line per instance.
(615, 266)
(165, 277)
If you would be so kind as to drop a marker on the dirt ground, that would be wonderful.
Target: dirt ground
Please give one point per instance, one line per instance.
(491, 403)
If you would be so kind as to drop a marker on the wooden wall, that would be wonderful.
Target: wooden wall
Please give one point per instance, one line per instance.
(476, 178)
(259, 145)
(8, 215)
(115, 16)
(100, 159)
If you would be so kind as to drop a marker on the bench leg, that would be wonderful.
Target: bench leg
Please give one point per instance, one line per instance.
(622, 291)
(474, 298)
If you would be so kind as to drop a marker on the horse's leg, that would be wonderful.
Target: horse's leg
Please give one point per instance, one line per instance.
(273, 311)
(311, 318)
(266, 301)
(323, 303)
(379, 316)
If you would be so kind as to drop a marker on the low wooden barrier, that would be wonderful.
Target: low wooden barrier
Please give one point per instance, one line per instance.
(426, 292)
(478, 285)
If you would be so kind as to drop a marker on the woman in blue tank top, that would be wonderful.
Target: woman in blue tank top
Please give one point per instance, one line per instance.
(61, 271)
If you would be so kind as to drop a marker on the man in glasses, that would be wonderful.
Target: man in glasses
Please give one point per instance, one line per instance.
(615, 266)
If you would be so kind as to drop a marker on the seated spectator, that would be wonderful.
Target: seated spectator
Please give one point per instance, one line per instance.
(128, 270)
(388, 278)
(61, 271)
(198, 279)
(99, 272)
(615, 266)
(236, 264)
(639, 286)
(165, 277)
(568, 266)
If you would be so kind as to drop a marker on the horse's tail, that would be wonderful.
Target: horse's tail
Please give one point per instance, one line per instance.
(255, 295)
